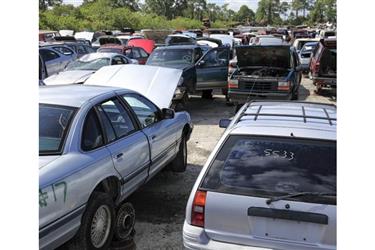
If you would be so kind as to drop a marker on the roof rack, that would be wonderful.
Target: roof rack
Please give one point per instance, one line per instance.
(303, 115)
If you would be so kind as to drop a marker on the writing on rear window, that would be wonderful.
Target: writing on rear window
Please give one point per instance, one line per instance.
(279, 154)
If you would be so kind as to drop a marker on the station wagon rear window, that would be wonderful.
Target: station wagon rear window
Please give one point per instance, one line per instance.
(54, 122)
(265, 167)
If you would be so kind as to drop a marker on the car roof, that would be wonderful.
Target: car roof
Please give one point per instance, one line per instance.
(73, 95)
(286, 119)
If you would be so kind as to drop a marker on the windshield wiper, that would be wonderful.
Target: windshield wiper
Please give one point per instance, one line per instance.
(277, 198)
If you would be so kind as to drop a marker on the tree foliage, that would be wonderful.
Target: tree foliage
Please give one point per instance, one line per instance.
(178, 14)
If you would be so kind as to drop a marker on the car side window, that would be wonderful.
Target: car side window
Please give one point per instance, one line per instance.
(143, 53)
(118, 117)
(136, 54)
(64, 50)
(129, 53)
(146, 112)
(215, 58)
(48, 55)
(92, 136)
(118, 60)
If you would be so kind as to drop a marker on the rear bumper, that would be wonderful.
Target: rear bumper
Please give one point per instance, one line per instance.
(195, 238)
(324, 81)
(242, 97)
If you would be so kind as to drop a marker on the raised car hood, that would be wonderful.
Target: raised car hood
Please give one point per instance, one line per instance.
(272, 56)
(69, 77)
(156, 83)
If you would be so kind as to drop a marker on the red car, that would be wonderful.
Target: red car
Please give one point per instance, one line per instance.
(146, 44)
(323, 64)
(136, 53)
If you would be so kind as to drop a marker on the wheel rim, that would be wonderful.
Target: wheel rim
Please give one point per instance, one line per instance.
(125, 221)
(100, 226)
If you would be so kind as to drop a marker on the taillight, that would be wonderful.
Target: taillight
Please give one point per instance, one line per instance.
(283, 85)
(233, 84)
(197, 213)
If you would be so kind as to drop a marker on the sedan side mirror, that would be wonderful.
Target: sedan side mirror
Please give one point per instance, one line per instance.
(224, 123)
(167, 113)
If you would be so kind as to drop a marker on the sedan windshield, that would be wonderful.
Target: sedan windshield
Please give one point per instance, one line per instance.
(53, 125)
(266, 167)
(171, 57)
(95, 64)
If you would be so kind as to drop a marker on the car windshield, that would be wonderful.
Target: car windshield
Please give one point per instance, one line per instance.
(171, 57)
(88, 65)
(53, 125)
(308, 48)
(266, 167)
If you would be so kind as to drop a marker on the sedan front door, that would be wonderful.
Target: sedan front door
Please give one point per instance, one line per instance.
(161, 133)
(212, 69)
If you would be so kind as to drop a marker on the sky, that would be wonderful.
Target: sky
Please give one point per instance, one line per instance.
(233, 4)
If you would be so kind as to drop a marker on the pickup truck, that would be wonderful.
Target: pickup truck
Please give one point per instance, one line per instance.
(202, 71)
(323, 64)
(271, 71)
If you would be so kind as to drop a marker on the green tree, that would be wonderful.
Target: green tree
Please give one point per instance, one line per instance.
(167, 8)
(323, 11)
(44, 4)
(245, 14)
(268, 12)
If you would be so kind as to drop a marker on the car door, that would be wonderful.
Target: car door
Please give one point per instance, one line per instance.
(51, 60)
(161, 133)
(212, 69)
(127, 144)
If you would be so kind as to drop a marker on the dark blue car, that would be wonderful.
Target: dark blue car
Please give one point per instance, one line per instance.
(203, 70)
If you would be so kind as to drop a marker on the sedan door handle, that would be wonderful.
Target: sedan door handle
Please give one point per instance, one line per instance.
(153, 137)
(119, 155)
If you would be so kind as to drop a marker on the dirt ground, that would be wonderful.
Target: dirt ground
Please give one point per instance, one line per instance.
(160, 204)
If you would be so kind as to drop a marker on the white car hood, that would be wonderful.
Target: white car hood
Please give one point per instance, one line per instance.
(156, 83)
(69, 77)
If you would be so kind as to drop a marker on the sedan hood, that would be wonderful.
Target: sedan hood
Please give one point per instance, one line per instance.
(156, 83)
(69, 77)
(45, 160)
(271, 56)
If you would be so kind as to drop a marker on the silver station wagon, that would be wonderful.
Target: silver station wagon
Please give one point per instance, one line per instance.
(97, 145)
(270, 182)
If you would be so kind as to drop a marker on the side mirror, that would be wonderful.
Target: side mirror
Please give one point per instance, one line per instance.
(167, 113)
(224, 123)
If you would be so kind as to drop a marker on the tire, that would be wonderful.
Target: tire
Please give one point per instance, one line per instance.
(207, 94)
(125, 221)
(179, 163)
(100, 204)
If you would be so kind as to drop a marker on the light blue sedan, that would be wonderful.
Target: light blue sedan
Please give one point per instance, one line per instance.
(98, 145)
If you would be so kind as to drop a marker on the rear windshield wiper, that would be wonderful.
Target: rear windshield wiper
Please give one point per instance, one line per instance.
(277, 198)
